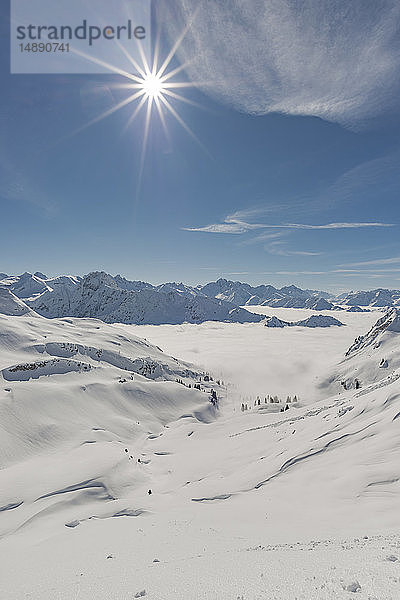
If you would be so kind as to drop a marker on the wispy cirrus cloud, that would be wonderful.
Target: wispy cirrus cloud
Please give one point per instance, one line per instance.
(334, 225)
(378, 177)
(334, 60)
(235, 228)
(273, 236)
(382, 273)
(379, 261)
(236, 223)
(265, 237)
(279, 248)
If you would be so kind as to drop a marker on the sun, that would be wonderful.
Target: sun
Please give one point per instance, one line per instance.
(152, 86)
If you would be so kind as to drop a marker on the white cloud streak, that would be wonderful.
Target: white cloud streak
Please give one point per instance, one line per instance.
(379, 261)
(234, 224)
(326, 58)
(279, 248)
(334, 225)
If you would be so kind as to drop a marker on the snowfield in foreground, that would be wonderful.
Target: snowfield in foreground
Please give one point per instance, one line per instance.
(262, 504)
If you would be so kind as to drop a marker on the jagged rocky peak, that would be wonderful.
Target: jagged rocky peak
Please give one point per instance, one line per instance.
(97, 279)
(133, 286)
(275, 322)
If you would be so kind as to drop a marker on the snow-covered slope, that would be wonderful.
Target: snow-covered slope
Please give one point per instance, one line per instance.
(78, 400)
(10, 304)
(101, 296)
(253, 505)
(373, 358)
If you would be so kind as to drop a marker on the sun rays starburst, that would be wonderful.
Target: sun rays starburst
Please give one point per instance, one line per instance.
(151, 87)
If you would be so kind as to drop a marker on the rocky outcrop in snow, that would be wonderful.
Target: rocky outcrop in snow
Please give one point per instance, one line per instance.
(357, 309)
(313, 321)
(319, 321)
(275, 322)
(34, 370)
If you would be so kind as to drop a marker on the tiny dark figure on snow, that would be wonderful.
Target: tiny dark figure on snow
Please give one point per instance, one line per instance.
(214, 398)
(149, 492)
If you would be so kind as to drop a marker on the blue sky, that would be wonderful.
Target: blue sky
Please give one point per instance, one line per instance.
(296, 179)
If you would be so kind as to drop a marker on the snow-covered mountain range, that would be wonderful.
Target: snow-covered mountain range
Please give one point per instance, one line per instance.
(293, 297)
(378, 298)
(116, 299)
(267, 295)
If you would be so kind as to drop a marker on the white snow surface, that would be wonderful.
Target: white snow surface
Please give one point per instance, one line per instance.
(255, 505)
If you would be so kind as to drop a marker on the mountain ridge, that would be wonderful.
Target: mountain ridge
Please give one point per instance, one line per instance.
(100, 295)
(115, 298)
